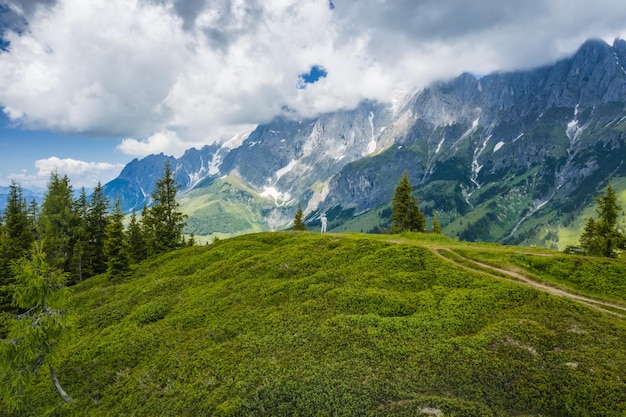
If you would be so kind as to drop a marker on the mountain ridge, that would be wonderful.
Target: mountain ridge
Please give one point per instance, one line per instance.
(540, 139)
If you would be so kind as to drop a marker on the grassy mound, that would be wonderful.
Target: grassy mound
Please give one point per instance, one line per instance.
(307, 324)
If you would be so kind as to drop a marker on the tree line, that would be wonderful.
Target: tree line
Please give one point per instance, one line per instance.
(67, 240)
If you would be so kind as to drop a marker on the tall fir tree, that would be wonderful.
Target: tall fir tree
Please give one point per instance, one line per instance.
(16, 238)
(34, 334)
(163, 220)
(405, 213)
(80, 266)
(136, 240)
(436, 227)
(116, 245)
(602, 237)
(57, 222)
(97, 221)
(298, 219)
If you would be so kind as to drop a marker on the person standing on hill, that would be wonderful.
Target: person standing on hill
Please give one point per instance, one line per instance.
(324, 221)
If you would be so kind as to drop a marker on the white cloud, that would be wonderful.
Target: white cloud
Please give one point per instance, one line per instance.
(80, 173)
(188, 72)
(167, 142)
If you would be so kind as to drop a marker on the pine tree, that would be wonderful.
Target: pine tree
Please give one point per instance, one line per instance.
(57, 222)
(298, 222)
(602, 237)
(97, 221)
(16, 239)
(136, 241)
(163, 220)
(116, 246)
(80, 267)
(405, 214)
(33, 335)
(436, 227)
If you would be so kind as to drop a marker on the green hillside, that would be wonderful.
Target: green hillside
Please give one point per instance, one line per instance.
(287, 324)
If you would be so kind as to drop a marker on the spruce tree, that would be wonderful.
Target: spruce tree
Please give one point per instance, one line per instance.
(57, 222)
(163, 219)
(116, 245)
(80, 265)
(436, 227)
(136, 241)
(16, 239)
(602, 237)
(97, 221)
(298, 222)
(33, 335)
(405, 214)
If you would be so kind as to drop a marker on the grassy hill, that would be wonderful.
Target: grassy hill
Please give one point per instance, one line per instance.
(340, 325)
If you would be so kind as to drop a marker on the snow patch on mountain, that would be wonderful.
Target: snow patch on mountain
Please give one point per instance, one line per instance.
(214, 164)
(286, 169)
(443, 139)
(476, 166)
(279, 198)
(371, 147)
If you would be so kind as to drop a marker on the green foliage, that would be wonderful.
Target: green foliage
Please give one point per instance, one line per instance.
(97, 222)
(80, 265)
(163, 222)
(138, 249)
(603, 237)
(116, 246)
(298, 222)
(33, 334)
(307, 324)
(436, 228)
(16, 238)
(58, 221)
(405, 209)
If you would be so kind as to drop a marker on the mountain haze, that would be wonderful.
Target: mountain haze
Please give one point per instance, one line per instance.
(513, 157)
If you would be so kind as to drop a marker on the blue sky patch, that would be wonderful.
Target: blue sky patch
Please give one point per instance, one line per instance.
(316, 72)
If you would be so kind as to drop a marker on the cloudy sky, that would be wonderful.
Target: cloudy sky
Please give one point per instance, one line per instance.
(85, 86)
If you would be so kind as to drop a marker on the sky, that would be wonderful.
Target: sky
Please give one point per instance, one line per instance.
(86, 86)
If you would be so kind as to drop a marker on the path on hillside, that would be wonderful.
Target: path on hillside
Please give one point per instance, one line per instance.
(524, 280)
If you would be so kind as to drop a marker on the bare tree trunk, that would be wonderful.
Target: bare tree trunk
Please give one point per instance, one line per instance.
(58, 386)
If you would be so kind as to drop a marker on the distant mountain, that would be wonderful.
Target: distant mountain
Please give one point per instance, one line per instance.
(513, 157)
(27, 194)
(137, 180)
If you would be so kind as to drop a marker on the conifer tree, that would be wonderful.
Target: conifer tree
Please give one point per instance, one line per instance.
(163, 219)
(97, 221)
(33, 335)
(602, 237)
(57, 222)
(405, 214)
(436, 227)
(116, 246)
(80, 266)
(16, 239)
(298, 222)
(138, 250)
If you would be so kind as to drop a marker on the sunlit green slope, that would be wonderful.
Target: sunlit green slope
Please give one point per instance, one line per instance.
(281, 324)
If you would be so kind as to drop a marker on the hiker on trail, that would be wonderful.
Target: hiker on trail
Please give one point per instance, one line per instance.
(324, 223)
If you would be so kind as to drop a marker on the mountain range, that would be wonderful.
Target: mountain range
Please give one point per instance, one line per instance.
(514, 157)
